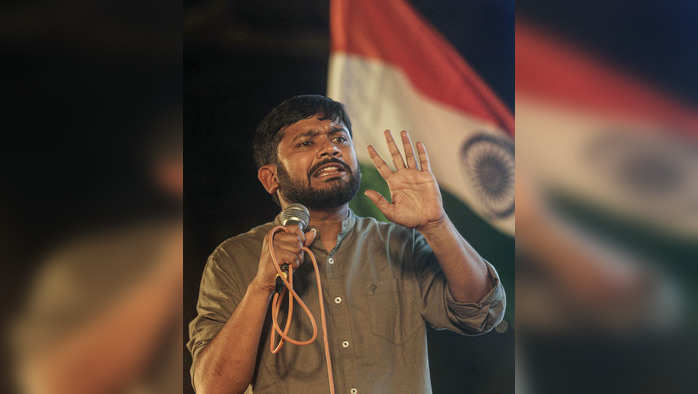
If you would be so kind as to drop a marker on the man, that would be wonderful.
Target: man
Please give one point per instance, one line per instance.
(382, 282)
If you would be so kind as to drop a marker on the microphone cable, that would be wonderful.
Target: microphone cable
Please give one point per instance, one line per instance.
(287, 279)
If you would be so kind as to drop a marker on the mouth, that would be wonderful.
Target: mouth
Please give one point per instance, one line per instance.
(329, 171)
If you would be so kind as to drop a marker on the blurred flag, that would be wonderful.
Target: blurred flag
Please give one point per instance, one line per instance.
(616, 142)
(394, 71)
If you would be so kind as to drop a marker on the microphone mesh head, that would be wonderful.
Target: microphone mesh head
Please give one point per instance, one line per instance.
(296, 214)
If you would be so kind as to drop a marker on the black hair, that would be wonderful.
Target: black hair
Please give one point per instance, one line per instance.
(267, 136)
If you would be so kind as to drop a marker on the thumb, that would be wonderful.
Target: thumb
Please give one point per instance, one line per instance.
(379, 201)
(310, 236)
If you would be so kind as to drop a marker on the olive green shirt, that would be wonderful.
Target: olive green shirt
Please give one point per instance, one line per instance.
(381, 284)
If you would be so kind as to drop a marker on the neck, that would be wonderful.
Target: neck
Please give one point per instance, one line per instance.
(328, 222)
(328, 217)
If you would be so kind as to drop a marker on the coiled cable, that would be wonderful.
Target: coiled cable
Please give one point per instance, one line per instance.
(287, 280)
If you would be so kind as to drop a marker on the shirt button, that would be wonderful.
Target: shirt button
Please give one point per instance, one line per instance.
(337, 300)
(353, 390)
(345, 344)
(330, 260)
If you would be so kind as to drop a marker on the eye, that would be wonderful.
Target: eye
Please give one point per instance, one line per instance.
(340, 139)
(304, 143)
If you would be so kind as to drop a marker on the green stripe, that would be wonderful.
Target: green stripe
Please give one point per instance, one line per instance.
(674, 255)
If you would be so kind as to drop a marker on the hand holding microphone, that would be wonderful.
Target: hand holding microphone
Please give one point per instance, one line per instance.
(287, 244)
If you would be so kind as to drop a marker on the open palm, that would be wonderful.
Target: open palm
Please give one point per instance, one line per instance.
(415, 195)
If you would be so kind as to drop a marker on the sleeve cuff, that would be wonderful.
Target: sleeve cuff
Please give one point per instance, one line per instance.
(479, 317)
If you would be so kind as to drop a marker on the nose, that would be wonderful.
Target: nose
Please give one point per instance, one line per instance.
(330, 150)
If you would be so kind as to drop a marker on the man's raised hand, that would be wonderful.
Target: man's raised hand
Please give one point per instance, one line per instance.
(415, 195)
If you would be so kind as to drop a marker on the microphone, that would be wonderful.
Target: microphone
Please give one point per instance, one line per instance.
(296, 215)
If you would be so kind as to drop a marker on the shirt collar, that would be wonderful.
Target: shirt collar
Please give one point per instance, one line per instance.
(347, 223)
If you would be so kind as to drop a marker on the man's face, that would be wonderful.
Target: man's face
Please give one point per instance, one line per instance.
(317, 164)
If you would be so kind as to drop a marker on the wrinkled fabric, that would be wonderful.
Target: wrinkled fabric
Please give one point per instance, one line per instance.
(384, 287)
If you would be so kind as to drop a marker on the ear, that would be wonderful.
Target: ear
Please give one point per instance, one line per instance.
(267, 176)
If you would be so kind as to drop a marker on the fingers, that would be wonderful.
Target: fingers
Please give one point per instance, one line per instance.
(296, 253)
(398, 161)
(394, 151)
(288, 248)
(293, 229)
(423, 157)
(288, 245)
(380, 202)
(310, 236)
(296, 231)
(378, 161)
(409, 154)
(293, 259)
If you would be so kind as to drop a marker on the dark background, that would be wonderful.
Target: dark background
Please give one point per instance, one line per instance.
(81, 83)
(241, 60)
(80, 80)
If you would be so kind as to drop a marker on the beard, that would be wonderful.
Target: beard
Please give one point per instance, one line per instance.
(340, 193)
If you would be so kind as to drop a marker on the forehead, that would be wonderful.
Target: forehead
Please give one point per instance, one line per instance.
(310, 124)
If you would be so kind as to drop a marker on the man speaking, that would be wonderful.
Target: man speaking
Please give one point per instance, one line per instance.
(381, 283)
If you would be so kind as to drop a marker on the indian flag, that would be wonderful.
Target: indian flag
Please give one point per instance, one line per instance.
(392, 70)
(595, 134)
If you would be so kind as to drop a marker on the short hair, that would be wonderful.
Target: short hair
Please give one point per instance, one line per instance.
(267, 136)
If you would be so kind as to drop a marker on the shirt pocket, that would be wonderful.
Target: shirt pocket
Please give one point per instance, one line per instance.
(393, 313)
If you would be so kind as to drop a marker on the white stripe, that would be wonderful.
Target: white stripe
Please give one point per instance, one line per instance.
(378, 96)
(605, 159)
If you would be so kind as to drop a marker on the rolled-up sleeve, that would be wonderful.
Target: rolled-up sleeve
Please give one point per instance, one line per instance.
(219, 295)
(478, 317)
(441, 310)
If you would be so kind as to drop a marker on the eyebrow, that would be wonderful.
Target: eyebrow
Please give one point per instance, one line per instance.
(313, 133)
